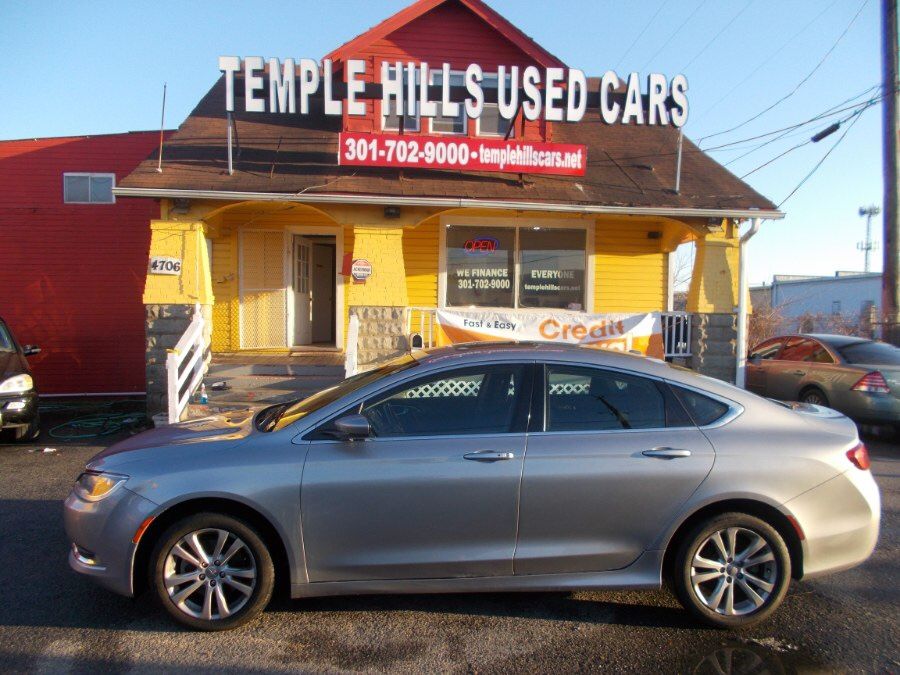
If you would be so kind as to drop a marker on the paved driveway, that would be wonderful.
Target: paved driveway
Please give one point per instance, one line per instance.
(54, 621)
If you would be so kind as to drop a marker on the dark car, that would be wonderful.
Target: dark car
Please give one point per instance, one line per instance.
(857, 376)
(18, 397)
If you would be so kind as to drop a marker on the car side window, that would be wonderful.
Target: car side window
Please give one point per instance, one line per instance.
(767, 350)
(798, 349)
(468, 401)
(819, 354)
(703, 409)
(593, 399)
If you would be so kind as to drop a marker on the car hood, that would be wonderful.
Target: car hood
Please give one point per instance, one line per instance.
(12, 363)
(199, 435)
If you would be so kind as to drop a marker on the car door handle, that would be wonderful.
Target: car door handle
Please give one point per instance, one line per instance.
(799, 372)
(488, 456)
(666, 453)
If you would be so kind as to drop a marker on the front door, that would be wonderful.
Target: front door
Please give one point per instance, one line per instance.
(323, 289)
(433, 493)
(760, 361)
(302, 291)
(617, 458)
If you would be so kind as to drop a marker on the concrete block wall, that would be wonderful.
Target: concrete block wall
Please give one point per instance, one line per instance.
(713, 342)
(382, 333)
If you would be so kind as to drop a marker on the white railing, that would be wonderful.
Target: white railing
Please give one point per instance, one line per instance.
(676, 329)
(186, 366)
(421, 321)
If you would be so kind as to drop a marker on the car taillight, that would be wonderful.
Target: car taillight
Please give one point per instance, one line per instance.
(873, 382)
(859, 456)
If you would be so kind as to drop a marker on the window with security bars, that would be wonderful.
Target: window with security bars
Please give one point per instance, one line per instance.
(89, 188)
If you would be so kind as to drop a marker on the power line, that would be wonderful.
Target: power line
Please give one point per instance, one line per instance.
(800, 84)
(769, 58)
(821, 161)
(716, 36)
(677, 31)
(853, 117)
(641, 34)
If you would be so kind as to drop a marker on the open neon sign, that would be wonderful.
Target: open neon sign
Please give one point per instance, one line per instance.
(481, 246)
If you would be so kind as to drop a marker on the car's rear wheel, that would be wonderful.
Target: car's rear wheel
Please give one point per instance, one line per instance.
(212, 572)
(732, 570)
(814, 396)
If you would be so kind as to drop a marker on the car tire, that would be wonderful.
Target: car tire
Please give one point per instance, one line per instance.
(732, 594)
(29, 433)
(815, 396)
(239, 586)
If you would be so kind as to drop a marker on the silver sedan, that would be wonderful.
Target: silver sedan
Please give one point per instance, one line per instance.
(490, 467)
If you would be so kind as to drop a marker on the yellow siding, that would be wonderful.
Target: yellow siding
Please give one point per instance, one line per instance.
(420, 255)
(630, 270)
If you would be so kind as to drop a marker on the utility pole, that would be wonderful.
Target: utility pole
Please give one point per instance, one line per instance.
(868, 245)
(890, 284)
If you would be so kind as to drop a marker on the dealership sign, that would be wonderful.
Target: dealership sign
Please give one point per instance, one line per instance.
(622, 332)
(462, 153)
(554, 94)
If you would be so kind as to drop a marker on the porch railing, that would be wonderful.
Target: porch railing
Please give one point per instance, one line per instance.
(420, 323)
(186, 366)
(676, 330)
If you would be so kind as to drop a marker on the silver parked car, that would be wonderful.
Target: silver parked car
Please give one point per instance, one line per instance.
(489, 467)
(858, 376)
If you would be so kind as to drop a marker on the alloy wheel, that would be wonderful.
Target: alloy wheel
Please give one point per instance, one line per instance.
(734, 571)
(210, 574)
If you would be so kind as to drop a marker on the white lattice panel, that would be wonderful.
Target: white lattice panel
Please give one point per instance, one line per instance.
(563, 388)
(444, 388)
(264, 293)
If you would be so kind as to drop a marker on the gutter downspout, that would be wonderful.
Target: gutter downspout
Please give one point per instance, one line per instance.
(743, 293)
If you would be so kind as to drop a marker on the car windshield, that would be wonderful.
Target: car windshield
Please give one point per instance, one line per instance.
(874, 353)
(6, 342)
(280, 416)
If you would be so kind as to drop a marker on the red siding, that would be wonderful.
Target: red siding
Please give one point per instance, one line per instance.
(72, 275)
(448, 33)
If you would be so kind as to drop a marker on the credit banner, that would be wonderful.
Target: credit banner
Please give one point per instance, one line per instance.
(472, 154)
(623, 332)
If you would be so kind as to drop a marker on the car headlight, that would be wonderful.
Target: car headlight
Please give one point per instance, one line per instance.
(17, 384)
(93, 486)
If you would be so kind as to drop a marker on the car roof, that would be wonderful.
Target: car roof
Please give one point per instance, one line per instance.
(835, 340)
(505, 351)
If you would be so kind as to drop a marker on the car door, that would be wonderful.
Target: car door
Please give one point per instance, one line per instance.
(759, 361)
(433, 492)
(616, 457)
(791, 368)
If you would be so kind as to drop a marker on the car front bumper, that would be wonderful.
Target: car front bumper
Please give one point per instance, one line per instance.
(100, 535)
(17, 410)
(840, 521)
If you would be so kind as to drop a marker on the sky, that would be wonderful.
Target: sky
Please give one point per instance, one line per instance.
(73, 68)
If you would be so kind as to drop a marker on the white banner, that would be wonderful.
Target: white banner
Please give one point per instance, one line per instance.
(624, 332)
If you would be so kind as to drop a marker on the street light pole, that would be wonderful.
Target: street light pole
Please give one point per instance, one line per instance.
(868, 245)
(890, 288)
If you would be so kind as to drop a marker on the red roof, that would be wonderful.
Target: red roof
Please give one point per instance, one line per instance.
(420, 7)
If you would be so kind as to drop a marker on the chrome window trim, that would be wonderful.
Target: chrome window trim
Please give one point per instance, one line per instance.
(735, 409)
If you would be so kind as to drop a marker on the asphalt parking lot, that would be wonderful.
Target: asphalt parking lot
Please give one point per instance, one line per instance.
(52, 620)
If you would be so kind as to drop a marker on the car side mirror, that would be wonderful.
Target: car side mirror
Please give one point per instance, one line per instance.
(31, 350)
(353, 426)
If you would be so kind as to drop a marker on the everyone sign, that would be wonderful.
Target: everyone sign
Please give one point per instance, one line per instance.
(554, 94)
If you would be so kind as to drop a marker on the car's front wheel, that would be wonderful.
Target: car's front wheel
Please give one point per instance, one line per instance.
(212, 572)
(732, 570)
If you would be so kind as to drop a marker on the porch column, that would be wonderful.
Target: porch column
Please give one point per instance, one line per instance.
(170, 298)
(712, 300)
(379, 301)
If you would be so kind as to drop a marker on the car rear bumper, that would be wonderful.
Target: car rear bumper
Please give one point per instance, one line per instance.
(18, 409)
(100, 536)
(840, 521)
(870, 408)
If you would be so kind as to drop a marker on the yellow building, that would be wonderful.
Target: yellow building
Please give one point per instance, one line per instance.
(281, 241)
